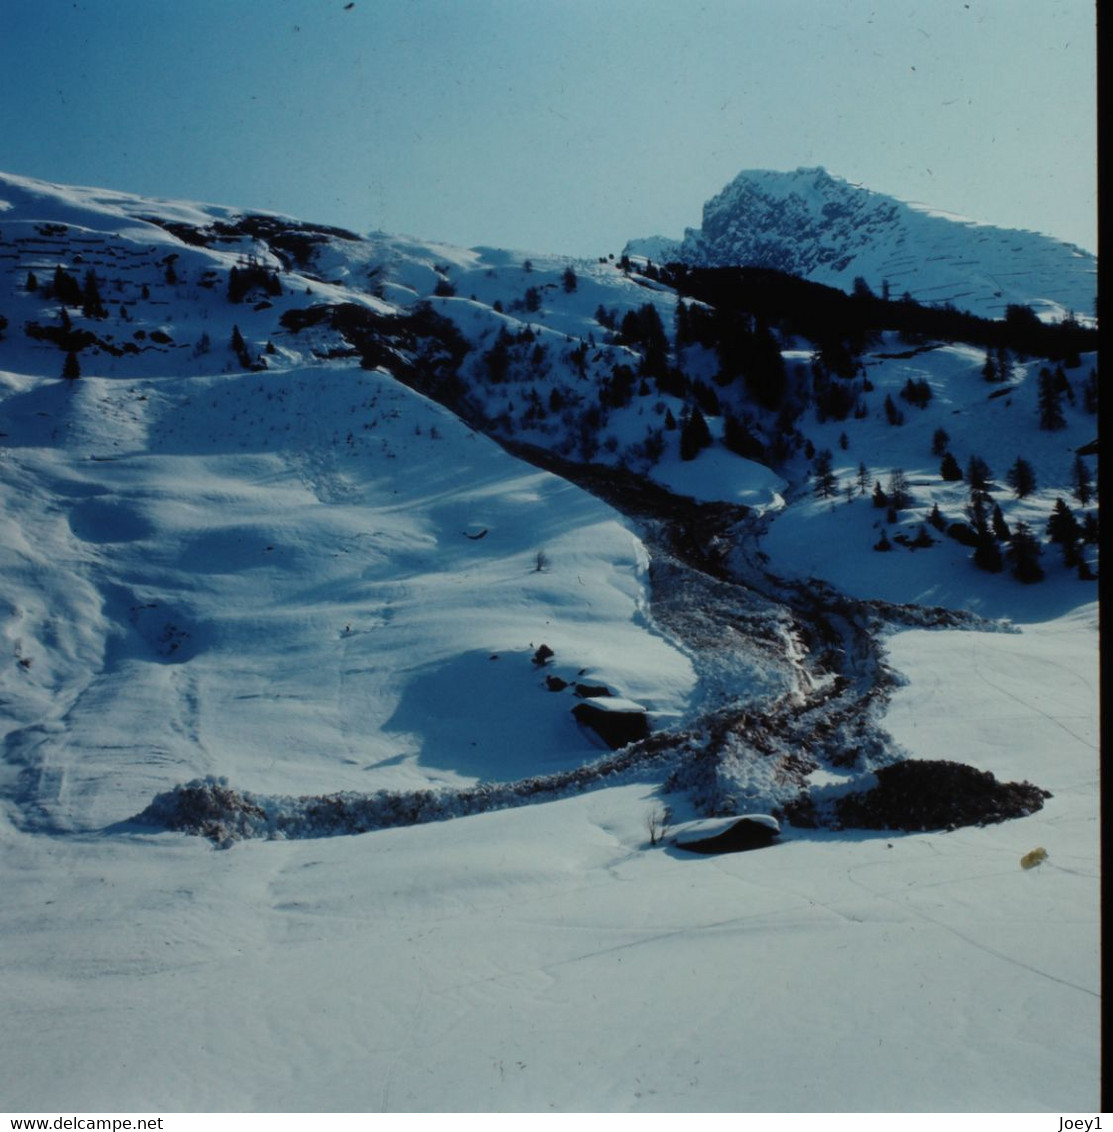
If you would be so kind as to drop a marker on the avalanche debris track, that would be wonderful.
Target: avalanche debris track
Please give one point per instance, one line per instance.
(755, 744)
(791, 679)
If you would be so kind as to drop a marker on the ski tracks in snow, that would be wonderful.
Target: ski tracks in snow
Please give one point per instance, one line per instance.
(908, 907)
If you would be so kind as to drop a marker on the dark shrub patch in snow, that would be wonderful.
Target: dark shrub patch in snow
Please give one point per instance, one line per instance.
(936, 794)
(207, 808)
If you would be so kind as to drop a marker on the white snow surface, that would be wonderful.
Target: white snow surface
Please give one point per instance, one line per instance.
(312, 579)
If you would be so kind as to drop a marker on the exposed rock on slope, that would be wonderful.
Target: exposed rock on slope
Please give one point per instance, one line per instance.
(813, 224)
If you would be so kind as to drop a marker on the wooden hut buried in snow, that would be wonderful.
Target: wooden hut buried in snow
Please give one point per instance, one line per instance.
(616, 721)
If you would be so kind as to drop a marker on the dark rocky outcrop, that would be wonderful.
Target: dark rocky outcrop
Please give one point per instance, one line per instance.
(617, 723)
(753, 832)
(591, 691)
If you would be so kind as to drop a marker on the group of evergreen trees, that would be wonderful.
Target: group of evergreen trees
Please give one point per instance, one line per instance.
(251, 278)
(997, 545)
(994, 542)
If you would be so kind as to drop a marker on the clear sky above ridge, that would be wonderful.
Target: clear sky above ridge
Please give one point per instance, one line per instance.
(568, 126)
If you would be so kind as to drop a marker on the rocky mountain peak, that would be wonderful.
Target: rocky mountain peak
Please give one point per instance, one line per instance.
(811, 223)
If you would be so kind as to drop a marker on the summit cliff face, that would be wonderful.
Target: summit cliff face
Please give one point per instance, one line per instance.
(824, 228)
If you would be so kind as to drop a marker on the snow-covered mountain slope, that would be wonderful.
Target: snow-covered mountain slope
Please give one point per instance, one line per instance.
(225, 488)
(265, 536)
(307, 577)
(813, 224)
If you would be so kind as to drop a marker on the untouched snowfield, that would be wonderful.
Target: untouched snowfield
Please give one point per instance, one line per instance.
(313, 578)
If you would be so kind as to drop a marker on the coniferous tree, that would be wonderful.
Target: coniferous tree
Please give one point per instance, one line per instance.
(1064, 530)
(66, 288)
(239, 347)
(763, 367)
(939, 441)
(1082, 485)
(949, 469)
(1050, 409)
(880, 499)
(738, 438)
(900, 496)
(1004, 364)
(978, 474)
(863, 478)
(1021, 477)
(683, 324)
(694, 435)
(892, 414)
(826, 482)
(92, 305)
(1090, 392)
(32, 283)
(71, 368)
(496, 360)
(1024, 555)
(987, 554)
(1001, 530)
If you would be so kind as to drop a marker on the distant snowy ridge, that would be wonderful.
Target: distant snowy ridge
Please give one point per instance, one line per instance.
(811, 223)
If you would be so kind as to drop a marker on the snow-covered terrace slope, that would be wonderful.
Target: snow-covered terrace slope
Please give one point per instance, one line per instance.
(810, 223)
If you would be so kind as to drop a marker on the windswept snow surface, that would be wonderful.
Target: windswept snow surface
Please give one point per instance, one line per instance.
(312, 578)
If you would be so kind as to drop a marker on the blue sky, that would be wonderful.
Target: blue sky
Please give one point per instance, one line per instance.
(567, 125)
